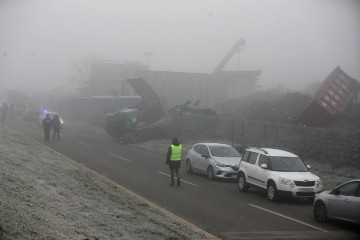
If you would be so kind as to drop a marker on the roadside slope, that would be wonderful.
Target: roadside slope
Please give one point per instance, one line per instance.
(45, 195)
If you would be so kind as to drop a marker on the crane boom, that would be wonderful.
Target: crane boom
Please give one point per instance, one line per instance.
(236, 46)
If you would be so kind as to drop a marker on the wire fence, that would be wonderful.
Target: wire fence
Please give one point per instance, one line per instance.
(334, 146)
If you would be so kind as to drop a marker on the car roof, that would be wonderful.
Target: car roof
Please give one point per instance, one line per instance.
(49, 112)
(213, 144)
(273, 152)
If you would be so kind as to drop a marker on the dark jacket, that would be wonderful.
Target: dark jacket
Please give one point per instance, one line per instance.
(47, 123)
(56, 122)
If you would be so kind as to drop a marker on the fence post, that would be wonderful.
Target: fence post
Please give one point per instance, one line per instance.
(304, 142)
(214, 127)
(243, 133)
(232, 131)
(265, 133)
(167, 127)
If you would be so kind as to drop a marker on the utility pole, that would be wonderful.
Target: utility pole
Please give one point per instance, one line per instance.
(148, 55)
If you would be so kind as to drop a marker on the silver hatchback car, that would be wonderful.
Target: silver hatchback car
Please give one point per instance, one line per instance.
(342, 202)
(217, 160)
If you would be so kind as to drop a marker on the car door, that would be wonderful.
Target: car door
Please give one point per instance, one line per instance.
(196, 157)
(340, 202)
(261, 174)
(250, 168)
(204, 161)
(355, 205)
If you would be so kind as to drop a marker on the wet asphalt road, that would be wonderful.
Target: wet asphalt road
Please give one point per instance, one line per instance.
(215, 206)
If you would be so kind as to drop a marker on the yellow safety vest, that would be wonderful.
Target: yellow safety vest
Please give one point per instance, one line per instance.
(176, 153)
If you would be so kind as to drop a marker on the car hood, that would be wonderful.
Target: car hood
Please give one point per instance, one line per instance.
(297, 176)
(227, 160)
(325, 192)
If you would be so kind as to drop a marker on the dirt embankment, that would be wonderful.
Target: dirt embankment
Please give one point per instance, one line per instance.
(45, 195)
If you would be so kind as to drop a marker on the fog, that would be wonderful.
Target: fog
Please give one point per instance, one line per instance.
(293, 43)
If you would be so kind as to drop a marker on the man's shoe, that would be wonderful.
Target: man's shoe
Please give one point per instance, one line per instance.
(178, 182)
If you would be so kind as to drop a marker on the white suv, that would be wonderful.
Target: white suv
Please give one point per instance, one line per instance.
(279, 172)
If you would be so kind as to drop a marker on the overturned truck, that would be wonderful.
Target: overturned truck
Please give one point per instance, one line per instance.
(332, 98)
(131, 124)
(146, 120)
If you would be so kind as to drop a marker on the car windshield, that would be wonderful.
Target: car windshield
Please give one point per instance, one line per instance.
(223, 151)
(287, 164)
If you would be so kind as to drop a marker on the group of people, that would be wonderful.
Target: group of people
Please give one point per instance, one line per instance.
(47, 123)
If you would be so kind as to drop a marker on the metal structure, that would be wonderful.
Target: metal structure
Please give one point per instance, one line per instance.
(239, 43)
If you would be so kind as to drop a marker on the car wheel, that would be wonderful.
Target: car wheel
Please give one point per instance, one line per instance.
(210, 173)
(188, 166)
(320, 212)
(242, 185)
(272, 193)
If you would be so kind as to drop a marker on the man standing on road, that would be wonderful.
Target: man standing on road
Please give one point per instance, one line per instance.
(4, 108)
(47, 123)
(173, 159)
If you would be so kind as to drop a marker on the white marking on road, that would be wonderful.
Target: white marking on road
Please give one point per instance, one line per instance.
(180, 179)
(119, 157)
(295, 220)
(85, 144)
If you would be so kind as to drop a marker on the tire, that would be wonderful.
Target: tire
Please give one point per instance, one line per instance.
(242, 184)
(188, 166)
(210, 173)
(272, 193)
(320, 212)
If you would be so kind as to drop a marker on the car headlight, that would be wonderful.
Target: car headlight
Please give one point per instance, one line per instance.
(217, 164)
(318, 183)
(286, 181)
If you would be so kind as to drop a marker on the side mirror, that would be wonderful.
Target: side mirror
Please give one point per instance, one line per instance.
(335, 191)
(308, 167)
(264, 166)
(205, 156)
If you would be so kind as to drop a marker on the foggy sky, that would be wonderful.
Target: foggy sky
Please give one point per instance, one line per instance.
(293, 42)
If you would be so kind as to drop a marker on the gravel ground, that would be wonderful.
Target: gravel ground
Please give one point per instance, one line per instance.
(45, 195)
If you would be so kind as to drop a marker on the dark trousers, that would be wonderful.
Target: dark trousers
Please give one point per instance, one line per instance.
(56, 133)
(174, 169)
(46, 134)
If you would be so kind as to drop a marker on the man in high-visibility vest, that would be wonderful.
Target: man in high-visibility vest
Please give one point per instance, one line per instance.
(173, 159)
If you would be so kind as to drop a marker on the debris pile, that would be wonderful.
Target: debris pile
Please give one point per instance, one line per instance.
(268, 106)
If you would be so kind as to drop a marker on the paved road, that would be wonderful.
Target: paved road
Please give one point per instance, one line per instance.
(217, 206)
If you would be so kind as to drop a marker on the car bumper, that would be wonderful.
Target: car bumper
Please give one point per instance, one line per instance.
(226, 173)
(298, 192)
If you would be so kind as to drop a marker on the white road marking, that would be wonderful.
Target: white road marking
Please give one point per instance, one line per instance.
(85, 144)
(295, 220)
(119, 157)
(182, 180)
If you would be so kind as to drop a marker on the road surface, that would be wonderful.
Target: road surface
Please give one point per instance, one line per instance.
(215, 206)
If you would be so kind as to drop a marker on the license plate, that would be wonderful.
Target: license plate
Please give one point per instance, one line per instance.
(306, 190)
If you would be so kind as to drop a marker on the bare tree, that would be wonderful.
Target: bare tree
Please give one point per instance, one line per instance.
(80, 74)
